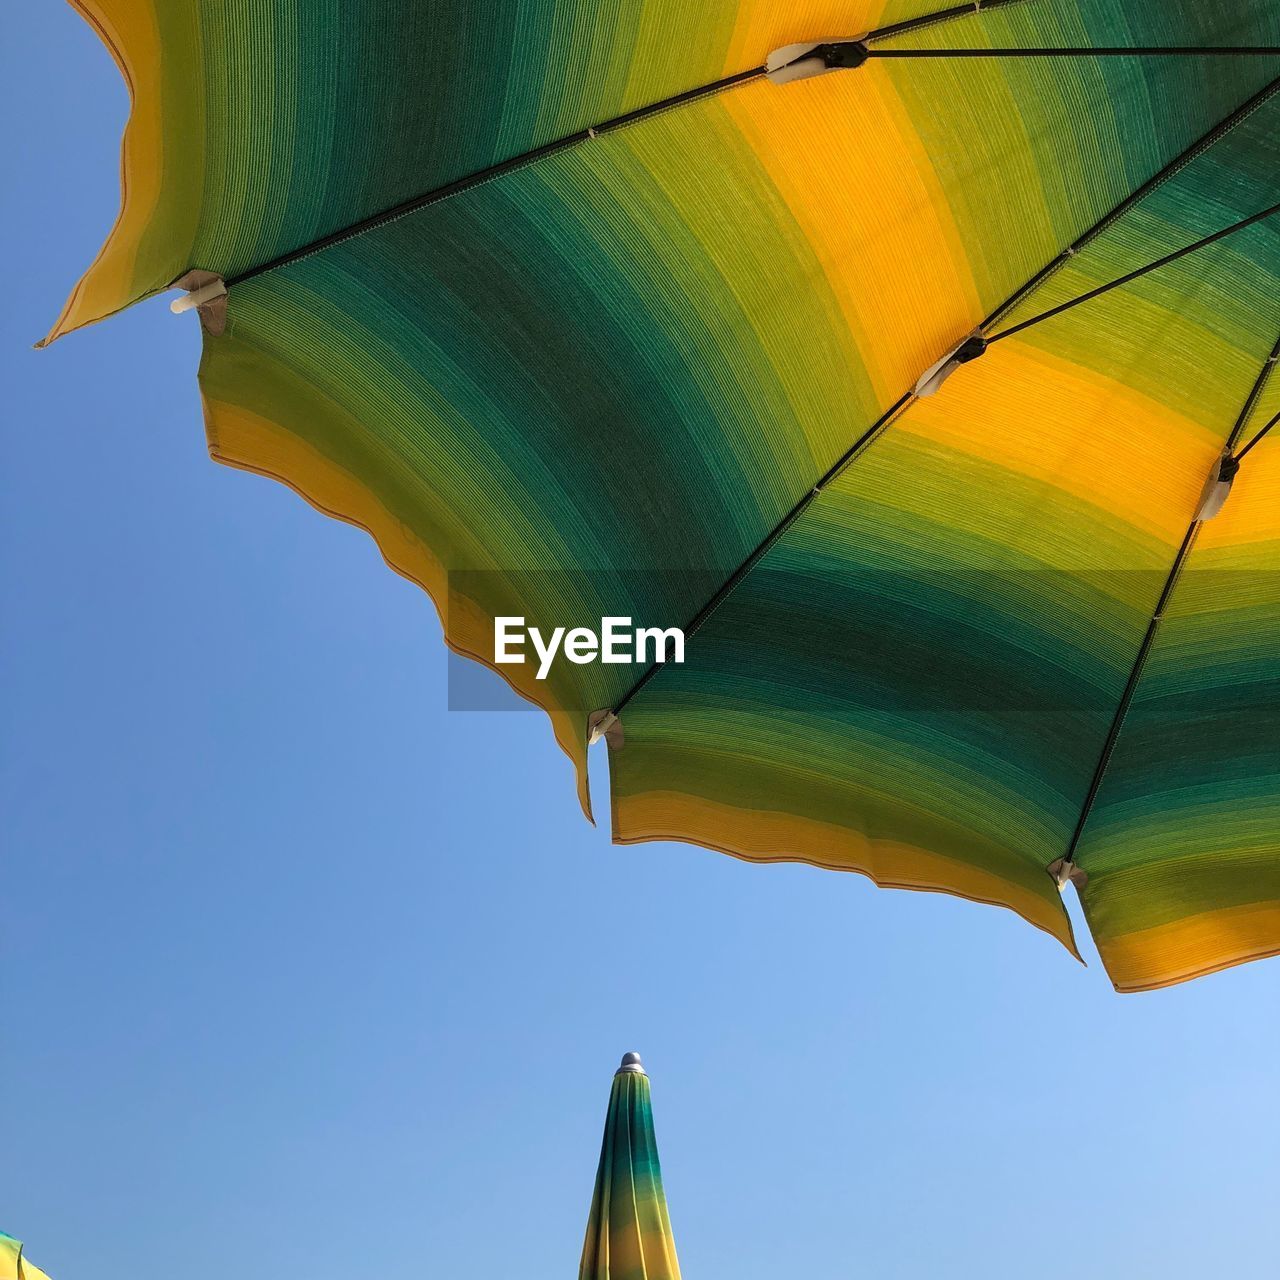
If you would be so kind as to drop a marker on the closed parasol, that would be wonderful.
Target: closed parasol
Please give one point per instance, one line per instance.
(629, 1230)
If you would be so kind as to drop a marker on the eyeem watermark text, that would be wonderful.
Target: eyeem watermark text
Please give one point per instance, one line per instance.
(617, 642)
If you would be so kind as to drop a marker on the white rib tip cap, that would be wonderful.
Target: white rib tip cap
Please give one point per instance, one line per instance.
(631, 1062)
(198, 297)
(606, 723)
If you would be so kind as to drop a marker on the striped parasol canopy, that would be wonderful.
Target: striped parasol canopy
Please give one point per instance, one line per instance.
(915, 360)
(629, 1232)
(13, 1266)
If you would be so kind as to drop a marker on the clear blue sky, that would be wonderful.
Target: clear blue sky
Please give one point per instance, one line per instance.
(305, 976)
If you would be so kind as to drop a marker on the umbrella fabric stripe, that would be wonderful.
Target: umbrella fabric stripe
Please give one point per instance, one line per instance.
(629, 1230)
(598, 383)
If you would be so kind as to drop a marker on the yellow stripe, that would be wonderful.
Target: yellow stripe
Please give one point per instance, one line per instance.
(1077, 430)
(754, 836)
(1167, 954)
(109, 283)
(897, 232)
(764, 25)
(1252, 512)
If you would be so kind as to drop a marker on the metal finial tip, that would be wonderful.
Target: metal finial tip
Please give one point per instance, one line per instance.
(631, 1062)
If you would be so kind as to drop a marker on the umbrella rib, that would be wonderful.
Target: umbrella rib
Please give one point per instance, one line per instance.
(770, 538)
(1113, 51)
(1068, 861)
(481, 176)
(1170, 170)
(1258, 437)
(933, 19)
(1130, 276)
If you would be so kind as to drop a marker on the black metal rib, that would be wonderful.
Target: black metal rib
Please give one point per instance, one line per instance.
(1115, 51)
(1197, 148)
(1137, 274)
(1258, 437)
(1263, 380)
(1126, 698)
(969, 10)
(406, 207)
(1148, 640)
(769, 539)
(1170, 170)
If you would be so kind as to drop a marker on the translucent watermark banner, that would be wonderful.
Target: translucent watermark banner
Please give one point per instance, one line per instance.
(595, 631)
(584, 639)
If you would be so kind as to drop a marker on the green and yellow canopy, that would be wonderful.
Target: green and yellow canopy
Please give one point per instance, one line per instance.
(13, 1266)
(629, 1232)
(610, 308)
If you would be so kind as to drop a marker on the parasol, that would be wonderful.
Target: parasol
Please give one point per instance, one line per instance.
(917, 362)
(629, 1232)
